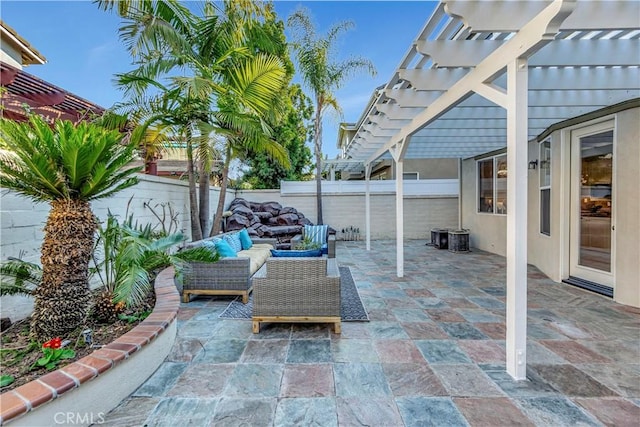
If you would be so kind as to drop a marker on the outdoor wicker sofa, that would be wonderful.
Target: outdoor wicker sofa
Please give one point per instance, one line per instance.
(227, 276)
(297, 290)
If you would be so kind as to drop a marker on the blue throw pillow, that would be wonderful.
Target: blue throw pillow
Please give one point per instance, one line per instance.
(225, 250)
(234, 241)
(295, 253)
(210, 244)
(317, 233)
(245, 240)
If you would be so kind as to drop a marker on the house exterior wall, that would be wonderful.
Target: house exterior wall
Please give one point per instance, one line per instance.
(546, 252)
(486, 231)
(431, 168)
(10, 55)
(426, 168)
(551, 253)
(627, 216)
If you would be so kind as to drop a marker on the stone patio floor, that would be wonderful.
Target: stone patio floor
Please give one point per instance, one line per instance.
(432, 354)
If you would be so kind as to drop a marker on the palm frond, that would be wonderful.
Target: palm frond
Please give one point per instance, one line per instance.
(64, 162)
(335, 31)
(302, 26)
(339, 72)
(18, 277)
(258, 81)
(132, 286)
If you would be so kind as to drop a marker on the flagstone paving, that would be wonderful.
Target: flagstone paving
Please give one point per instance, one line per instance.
(432, 354)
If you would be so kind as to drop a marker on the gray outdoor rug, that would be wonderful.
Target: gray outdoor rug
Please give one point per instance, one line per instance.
(352, 309)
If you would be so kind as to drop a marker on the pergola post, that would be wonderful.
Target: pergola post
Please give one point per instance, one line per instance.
(517, 148)
(460, 193)
(367, 205)
(398, 152)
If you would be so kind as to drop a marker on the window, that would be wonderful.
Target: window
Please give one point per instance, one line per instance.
(492, 185)
(545, 187)
(410, 175)
(485, 186)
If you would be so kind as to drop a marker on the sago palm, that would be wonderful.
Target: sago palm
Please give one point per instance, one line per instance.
(68, 166)
(322, 74)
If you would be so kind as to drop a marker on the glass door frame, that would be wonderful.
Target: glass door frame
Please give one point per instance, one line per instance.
(575, 269)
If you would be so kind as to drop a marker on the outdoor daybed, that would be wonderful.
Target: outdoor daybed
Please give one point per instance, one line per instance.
(231, 275)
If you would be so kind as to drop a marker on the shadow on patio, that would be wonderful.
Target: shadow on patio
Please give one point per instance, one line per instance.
(432, 354)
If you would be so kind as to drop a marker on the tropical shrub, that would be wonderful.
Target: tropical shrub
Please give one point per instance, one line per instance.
(125, 256)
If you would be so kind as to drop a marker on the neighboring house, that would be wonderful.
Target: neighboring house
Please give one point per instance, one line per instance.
(385, 168)
(351, 134)
(21, 89)
(540, 101)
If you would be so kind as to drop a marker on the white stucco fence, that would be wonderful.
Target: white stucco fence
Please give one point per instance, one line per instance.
(427, 204)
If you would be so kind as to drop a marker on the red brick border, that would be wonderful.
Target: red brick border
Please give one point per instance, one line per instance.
(29, 396)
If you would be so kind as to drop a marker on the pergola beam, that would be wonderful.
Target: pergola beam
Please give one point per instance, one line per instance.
(440, 79)
(561, 53)
(510, 16)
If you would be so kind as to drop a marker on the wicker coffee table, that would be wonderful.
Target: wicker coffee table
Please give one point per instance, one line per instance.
(304, 290)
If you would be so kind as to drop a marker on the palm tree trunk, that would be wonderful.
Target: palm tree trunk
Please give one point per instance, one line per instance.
(196, 231)
(217, 219)
(63, 298)
(203, 181)
(317, 148)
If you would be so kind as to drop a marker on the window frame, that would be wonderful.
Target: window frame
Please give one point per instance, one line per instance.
(415, 174)
(494, 184)
(542, 185)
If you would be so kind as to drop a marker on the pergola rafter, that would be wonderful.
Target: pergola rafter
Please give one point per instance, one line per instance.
(589, 64)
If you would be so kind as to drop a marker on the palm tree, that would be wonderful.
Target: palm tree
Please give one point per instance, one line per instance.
(152, 140)
(212, 53)
(68, 166)
(323, 75)
(243, 134)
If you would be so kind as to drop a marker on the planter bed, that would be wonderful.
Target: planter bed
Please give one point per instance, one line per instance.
(82, 392)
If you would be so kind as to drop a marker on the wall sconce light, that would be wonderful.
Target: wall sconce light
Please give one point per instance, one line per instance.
(533, 164)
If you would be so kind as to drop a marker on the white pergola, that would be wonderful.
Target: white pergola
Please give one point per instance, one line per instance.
(484, 75)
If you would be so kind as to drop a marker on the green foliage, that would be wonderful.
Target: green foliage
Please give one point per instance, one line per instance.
(292, 132)
(307, 243)
(14, 356)
(128, 253)
(63, 161)
(6, 380)
(134, 317)
(217, 75)
(18, 277)
(53, 354)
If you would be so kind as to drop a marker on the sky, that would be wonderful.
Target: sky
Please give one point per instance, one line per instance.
(83, 50)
